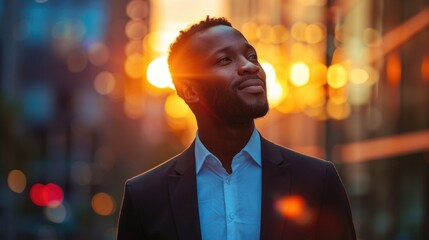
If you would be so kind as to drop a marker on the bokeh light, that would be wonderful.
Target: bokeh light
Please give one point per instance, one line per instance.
(159, 41)
(294, 208)
(318, 74)
(50, 195)
(248, 30)
(133, 46)
(291, 207)
(371, 37)
(338, 111)
(425, 69)
(134, 65)
(158, 73)
(298, 31)
(299, 74)
(337, 76)
(16, 181)
(136, 29)
(138, 9)
(175, 107)
(98, 54)
(314, 33)
(56, 214)
(359, 94)
(274, 87)
(103, 204)
(394, 69)
(358, 76)
(104, 83)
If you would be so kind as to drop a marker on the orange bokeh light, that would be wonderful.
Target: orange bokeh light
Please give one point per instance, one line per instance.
(103, 204)
(393, 68)
(425, 69)
(291, 207)
(17, 181)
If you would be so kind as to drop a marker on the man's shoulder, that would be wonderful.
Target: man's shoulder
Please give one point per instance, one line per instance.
(296, 158)
(156, 174)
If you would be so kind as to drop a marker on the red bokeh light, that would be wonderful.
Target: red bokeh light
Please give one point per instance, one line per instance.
(50, 195)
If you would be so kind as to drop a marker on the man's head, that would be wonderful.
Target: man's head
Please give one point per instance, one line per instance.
(216, 71)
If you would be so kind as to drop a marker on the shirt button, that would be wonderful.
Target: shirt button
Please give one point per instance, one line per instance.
(231, 216)
(227, 181)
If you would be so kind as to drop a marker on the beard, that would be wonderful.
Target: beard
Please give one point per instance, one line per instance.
(230, 109)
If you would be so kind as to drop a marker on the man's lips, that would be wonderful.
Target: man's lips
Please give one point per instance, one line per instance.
(252, 86)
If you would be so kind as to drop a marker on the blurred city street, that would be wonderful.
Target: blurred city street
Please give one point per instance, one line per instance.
(87, 102)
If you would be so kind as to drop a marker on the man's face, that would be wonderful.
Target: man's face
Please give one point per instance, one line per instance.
(228, 77)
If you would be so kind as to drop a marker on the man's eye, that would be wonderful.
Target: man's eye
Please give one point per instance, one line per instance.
(253, 57)
(224, 60)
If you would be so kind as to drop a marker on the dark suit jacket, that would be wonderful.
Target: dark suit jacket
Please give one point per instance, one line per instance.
(162, 202)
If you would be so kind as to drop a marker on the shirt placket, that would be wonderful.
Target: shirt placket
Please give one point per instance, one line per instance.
(230, 209)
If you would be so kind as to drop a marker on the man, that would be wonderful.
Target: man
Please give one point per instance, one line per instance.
(231, 183)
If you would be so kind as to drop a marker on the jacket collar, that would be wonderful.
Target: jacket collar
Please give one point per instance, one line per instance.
(184, 200)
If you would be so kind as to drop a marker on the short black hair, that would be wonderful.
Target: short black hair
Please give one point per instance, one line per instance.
(178, 48)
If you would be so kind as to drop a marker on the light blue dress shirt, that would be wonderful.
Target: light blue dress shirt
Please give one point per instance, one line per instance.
(230, 204)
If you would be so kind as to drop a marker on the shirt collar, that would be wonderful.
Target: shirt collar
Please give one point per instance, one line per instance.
(253, 148)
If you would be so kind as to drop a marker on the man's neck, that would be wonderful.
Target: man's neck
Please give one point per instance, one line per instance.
(225, 141)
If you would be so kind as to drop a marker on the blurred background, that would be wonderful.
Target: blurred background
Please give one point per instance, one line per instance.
(86, 102)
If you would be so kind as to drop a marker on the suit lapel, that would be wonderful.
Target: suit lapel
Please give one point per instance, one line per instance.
(275, 184)
(183, 196)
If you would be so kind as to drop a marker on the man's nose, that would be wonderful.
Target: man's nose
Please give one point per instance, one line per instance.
(248, 67)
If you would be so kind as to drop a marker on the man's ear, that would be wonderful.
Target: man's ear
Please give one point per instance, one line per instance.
(188, 93)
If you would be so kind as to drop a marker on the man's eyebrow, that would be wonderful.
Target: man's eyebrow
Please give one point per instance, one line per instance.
(246, 46)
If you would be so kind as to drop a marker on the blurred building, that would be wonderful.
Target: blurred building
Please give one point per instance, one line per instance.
(85, 103)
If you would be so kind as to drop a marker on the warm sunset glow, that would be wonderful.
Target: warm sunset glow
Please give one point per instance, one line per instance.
(314, 33)
(248, 30)
(159, 41)
(318, 74)
(158, 73)
(134, 65)
(314, 96)
(337, 76)
(298, 31)
(338, 95)
(299, 74)
(274, 88)
(175, 107)
(16, 181)
(103, 204)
